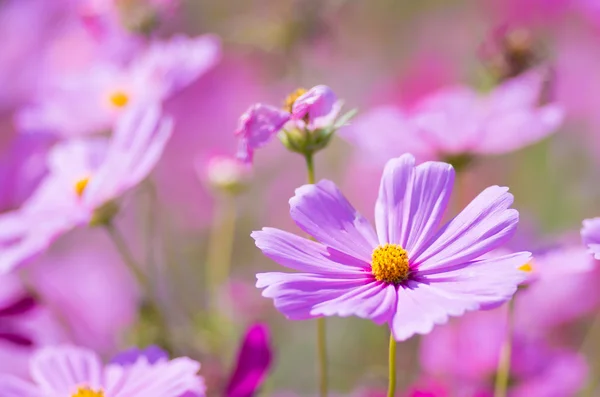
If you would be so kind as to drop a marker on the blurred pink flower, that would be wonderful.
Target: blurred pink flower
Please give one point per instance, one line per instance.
(100, 94)
(537, 369)
(257, 126)
(84, 178)
(72, 371)
(564, 289)
(590, 234)
(459, 121)
(25, 325)
(97, 309)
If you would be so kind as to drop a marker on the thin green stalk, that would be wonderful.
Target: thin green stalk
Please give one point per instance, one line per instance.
(503, 373)
(220, 248)
(143, 282)
(321, 325)
(121, 245)
(392, 367)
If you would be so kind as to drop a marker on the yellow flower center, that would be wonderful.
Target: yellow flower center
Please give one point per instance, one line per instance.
(119, 99)
(389, 263)
(87, 392)
(80, 185)
(527, 268)
(288, 104)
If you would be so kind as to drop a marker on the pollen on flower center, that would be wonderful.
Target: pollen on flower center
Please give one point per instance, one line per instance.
(119, 99)
(288, 104)
(389, 263)
(80, 185)
(87, 392)
(527, 268)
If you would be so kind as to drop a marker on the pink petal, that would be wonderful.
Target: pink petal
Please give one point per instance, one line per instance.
(486, 223)
(412, 201)
(323, 212)
(60, 370)
(298, 295)
(11, 386)
(590, 233)
(304, 255)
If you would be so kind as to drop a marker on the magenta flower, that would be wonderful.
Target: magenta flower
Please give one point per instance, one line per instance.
(410, 273)
(256, 128)
(103, 93)
(84, 179)
(459, 121)
(317, 108)
(590, 233)
(253, 363)
(65, 371)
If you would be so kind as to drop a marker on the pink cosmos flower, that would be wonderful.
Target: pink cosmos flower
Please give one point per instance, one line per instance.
(64, 371)
(256, 128)
(590, 233)
(84, 179)
(460, 121)
(101, 94)
(410, 273)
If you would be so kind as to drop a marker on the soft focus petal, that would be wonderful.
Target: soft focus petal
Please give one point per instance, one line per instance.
(11, 386)
(152, 354)
(253, 362)
(590, 234)
(59, 370)
(412, 201)
(256, 127)
(323, 212)
(319, 105)
(484, 224)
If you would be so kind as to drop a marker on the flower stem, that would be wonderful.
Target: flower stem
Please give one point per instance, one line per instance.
(220, 248)
(321, 326)
(392, 367)
(121, 245)
(503, 373)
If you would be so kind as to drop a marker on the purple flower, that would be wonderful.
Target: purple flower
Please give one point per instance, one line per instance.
(317, 108)
(84, 179)
(410, 273)
(152, 354)
(590, 233)
(459, 121)
(253, 362)
(71, 371)
(256, 128)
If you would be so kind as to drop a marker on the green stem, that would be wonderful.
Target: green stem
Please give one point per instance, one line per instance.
(220, 248)
(121, 245)
(321, 326)
(392, 367)
(503, 373)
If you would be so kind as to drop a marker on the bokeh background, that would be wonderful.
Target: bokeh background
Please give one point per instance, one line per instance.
(370, 53)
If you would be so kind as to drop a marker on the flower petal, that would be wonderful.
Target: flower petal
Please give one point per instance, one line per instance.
(59, 370)
(411, 204)
(590, 233)
(487, 282)
(486, 223)
(301, 254)
(11, 386)
(323, 212)
(297, 295)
